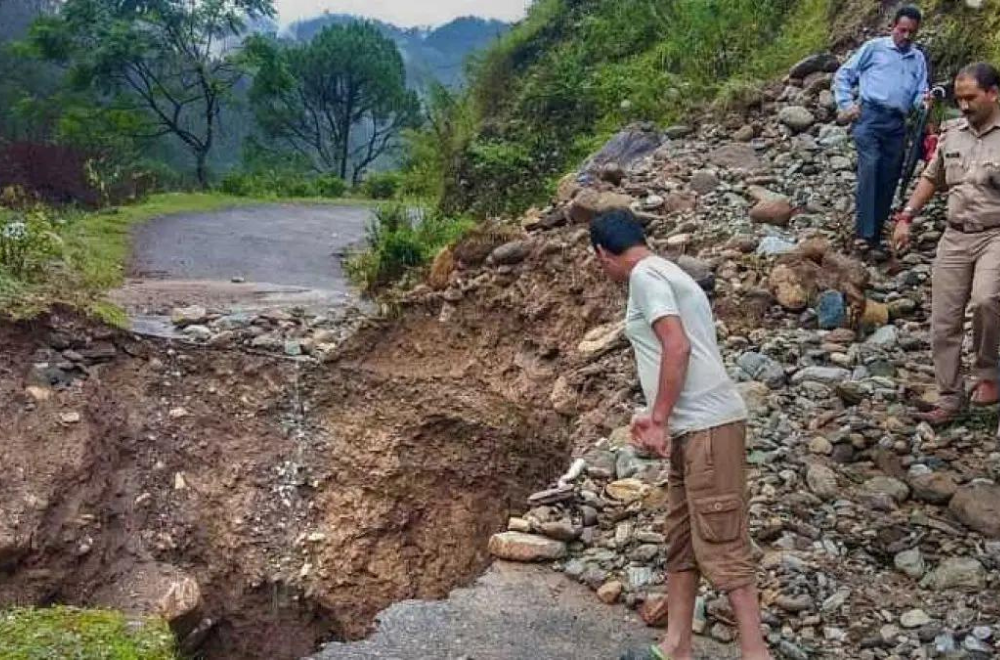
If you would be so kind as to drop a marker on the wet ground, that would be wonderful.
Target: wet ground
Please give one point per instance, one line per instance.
(276, 255)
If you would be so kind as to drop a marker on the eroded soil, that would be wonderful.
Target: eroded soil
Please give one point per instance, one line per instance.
(301, 498)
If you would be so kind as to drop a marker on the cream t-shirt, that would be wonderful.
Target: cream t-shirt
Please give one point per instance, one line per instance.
(659, 288)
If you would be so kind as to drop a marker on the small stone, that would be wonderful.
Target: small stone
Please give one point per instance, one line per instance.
(885, 337)
(794, 604)
(978, 507)
(177, 413)
(934, 488)
(610, 592)
(796, 118)
(198, 332)
(39, 394)
(184, 316)
(70, 417)
(911, 563)
(515, 546)
(722, 633)
(638, 577)
(914, 619)
(776, 211)
(831, 311)
(820, 445)
(561, 530)
(704, 181)
(894, 488)
(654, 611)
(957, 573)
(511, 253)
(824, 375)
(627, 490)
(180, 483)
(822, 481)
(602, 339)
(181, 600)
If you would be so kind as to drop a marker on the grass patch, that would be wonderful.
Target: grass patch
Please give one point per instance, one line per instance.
(59, 633)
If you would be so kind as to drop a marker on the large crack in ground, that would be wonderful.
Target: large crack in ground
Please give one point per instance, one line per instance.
(301, 499)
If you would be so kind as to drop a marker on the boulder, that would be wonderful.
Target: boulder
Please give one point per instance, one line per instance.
(441, 269)
(817, 63)
(934, 488)
(699, 270)
(511, 253)
(894, 488)
(520, 547)
(822, 481)
(957, 573)
(797, 118)
(625, 148)
(978, 507)
(590, 203)
(736, 157)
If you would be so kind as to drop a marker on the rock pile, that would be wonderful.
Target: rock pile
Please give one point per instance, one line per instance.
(294, 333)
(879, 537)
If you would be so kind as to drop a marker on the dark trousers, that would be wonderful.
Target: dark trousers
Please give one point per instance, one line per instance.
(880, 137)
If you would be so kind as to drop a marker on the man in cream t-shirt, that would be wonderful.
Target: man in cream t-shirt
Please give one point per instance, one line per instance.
(695, 418)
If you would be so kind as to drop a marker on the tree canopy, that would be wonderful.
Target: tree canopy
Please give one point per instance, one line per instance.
(340, 100)
(171, 63)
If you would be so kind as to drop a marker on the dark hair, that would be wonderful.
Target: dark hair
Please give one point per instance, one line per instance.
(616, 231)
(985, 75)
(909, 12)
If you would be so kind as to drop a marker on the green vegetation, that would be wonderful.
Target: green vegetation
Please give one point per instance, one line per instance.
(574, 72)
(400, 240)
(311, 99)
(60, 633)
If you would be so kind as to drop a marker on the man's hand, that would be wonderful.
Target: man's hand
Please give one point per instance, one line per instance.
(651, 436)
(901, 234)
(929, 99)
(849, 115)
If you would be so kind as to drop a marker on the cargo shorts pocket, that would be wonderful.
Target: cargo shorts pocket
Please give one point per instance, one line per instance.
(719, 518)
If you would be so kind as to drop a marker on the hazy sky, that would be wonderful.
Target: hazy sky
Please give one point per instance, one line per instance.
(405, 13)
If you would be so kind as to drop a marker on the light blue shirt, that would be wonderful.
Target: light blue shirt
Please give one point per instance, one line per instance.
(885, 75)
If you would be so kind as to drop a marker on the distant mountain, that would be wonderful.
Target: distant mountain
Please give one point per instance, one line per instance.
(430, 54)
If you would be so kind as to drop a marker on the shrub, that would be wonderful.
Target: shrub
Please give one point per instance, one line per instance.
(400, 239)
(28, 242)
(381, 185)
(63, 632)
(277, 183)
(50, 173)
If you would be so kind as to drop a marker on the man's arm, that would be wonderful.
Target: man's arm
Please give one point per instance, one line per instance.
(847, 77)
(920, 95)
(676, 350)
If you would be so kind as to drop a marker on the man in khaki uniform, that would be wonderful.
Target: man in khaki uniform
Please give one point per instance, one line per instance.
(967, 267)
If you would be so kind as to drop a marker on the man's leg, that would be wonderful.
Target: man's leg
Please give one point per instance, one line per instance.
(985, 307)
(892, 141)
(682, 569)
(720, 532)
(951, 282)
(867, 145)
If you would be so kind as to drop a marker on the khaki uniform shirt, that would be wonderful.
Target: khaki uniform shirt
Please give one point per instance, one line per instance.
(967, 164)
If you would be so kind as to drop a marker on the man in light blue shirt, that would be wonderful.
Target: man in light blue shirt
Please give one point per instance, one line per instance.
(891, 76)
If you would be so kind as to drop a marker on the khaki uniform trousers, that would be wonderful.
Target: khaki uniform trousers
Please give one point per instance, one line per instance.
(966, 273)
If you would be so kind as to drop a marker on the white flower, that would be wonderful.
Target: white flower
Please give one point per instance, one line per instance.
(14, 231)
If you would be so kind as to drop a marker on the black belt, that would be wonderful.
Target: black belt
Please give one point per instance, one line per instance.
(962, 229)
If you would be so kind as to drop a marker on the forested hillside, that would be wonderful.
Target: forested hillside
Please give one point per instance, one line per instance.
(435, 55)
(575, 71)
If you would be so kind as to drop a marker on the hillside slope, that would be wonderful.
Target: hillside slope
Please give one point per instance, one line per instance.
(572, 73)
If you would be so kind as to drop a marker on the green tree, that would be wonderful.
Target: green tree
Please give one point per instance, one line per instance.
(340, 100)
(171, 61)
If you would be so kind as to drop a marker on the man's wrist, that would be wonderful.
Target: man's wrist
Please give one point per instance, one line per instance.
(907, 214)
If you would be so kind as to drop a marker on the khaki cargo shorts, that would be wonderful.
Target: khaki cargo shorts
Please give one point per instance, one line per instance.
(707, 520)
